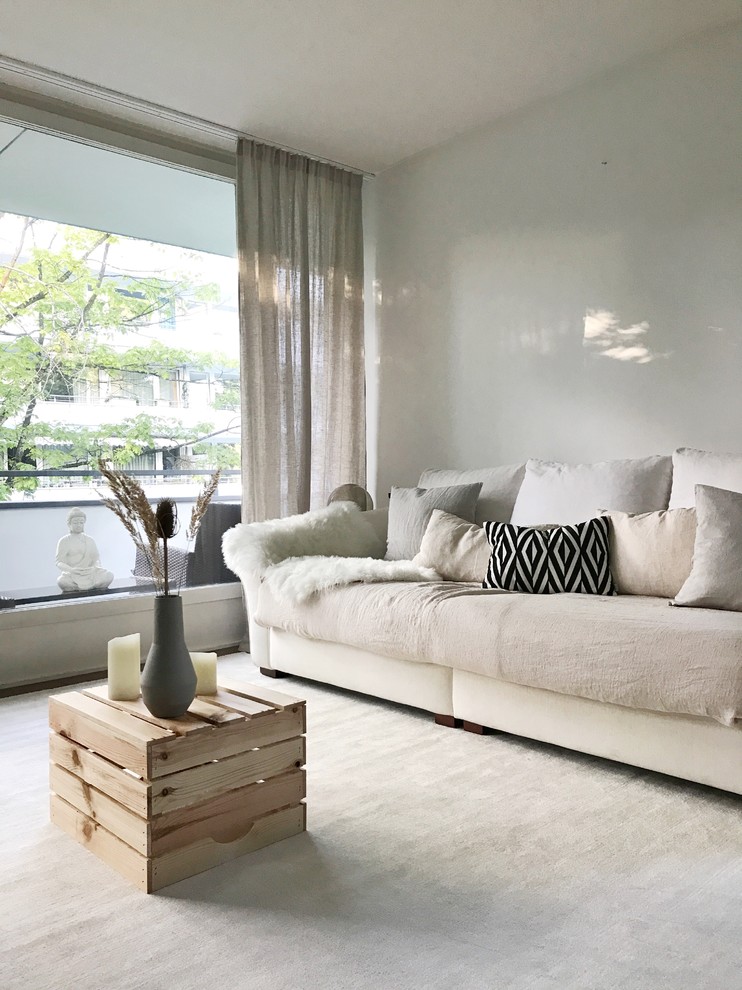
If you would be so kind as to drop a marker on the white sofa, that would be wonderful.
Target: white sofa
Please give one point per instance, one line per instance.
(483, 660)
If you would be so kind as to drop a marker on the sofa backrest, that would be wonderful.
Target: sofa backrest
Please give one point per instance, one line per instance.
(500, 486)
(569, 493)
(551, 492)
(702, 467)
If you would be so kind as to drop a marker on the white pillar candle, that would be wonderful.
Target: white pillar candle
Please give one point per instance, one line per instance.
(205, 666)
(124, 659)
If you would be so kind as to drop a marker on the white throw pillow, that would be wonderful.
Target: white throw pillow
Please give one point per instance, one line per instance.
(500, 487)
(456, 549)
(651, 553)
(692, 467)
(715, 580)
(570, 493)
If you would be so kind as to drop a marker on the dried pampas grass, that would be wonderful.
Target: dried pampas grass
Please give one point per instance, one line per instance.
(147, 526)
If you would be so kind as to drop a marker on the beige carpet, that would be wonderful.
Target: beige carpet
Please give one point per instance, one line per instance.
(434, 858)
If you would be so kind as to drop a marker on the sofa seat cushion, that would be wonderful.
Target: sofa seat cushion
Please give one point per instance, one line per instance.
(625, 650)
(392, 619)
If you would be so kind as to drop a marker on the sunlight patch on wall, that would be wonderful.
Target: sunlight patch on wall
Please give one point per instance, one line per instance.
(605, 337)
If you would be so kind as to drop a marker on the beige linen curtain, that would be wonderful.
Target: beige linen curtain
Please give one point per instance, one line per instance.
(300, 245)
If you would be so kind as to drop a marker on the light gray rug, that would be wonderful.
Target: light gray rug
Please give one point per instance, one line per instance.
(434, 859)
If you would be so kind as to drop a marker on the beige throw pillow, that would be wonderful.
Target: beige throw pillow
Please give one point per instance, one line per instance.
(457, 549)
(651, 553)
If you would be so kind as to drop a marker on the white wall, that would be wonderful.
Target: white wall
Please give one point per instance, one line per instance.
(493, 249)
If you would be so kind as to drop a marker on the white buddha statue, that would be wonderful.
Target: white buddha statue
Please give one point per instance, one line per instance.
(78, 558)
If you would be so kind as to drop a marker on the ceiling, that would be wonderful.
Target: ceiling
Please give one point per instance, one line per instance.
(362, 82)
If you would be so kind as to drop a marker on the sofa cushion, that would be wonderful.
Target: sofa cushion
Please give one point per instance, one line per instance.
(550, 561)
(500, 486)
(715, 579)
(456, 549)
(391, 619)
(691, 467)
(568, 493)
(625, 650)
(410, 510)
(651, 552)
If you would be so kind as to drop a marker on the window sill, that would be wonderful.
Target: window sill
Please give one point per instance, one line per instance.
(64, 639)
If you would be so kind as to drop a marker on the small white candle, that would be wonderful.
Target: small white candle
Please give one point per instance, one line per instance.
(124, 659)
(205, 666)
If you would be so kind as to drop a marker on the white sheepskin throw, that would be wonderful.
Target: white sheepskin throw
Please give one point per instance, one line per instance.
(251, 548)
(295, 580)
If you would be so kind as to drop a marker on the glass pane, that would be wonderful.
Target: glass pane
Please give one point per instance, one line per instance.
(119, 348)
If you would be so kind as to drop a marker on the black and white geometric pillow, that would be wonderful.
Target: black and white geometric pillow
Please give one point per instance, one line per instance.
(550, 561)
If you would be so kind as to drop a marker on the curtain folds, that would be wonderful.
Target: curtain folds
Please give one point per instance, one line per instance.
(300, 243)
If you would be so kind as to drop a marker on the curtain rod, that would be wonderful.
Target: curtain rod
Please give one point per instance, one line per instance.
(81, 86)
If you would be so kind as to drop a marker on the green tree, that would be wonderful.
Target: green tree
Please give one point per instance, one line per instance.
(67, 321)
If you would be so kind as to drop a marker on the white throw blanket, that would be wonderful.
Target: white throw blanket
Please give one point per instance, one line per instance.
(298, 578)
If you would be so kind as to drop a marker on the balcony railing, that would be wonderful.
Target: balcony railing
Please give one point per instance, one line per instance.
(31, 524)
(143, 475)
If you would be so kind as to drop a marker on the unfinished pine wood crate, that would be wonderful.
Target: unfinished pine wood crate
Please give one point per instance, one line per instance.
(163, 799)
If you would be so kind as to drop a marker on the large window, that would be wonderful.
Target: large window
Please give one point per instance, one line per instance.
(111, 346)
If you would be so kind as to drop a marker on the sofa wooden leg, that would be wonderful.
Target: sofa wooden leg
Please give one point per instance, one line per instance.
(481, 730)
(270, 672)
(449, 721)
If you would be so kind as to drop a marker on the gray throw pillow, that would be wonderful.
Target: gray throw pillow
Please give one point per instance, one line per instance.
(410, 510)
(715, 580)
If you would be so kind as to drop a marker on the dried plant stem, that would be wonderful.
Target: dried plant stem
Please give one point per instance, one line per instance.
(202, 504)
(147, 526)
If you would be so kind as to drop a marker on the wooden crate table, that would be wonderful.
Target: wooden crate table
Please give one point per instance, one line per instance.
(162, 799)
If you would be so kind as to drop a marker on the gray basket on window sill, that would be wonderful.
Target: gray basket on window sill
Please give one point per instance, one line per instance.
(177, 565)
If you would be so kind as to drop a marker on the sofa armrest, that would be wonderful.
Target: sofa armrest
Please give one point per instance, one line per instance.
(340, 529)
(258, 636)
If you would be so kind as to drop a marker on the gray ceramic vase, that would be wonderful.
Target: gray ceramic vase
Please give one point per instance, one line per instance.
(169, 678)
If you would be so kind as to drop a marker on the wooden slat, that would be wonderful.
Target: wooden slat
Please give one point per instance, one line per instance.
(198, 784)
(259, 693)
(189, 722)
(234, 703)
(213, 713)
(130, 791)
(100, 841)
(206, 853)
(119, 736)
(226, 818)
(183, 752)
(124, 824)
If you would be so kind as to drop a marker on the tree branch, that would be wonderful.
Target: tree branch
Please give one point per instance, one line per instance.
(14, 260)
(94, 294)
(64, 277)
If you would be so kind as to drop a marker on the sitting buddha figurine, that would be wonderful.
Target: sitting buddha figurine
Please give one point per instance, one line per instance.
(78, 558)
